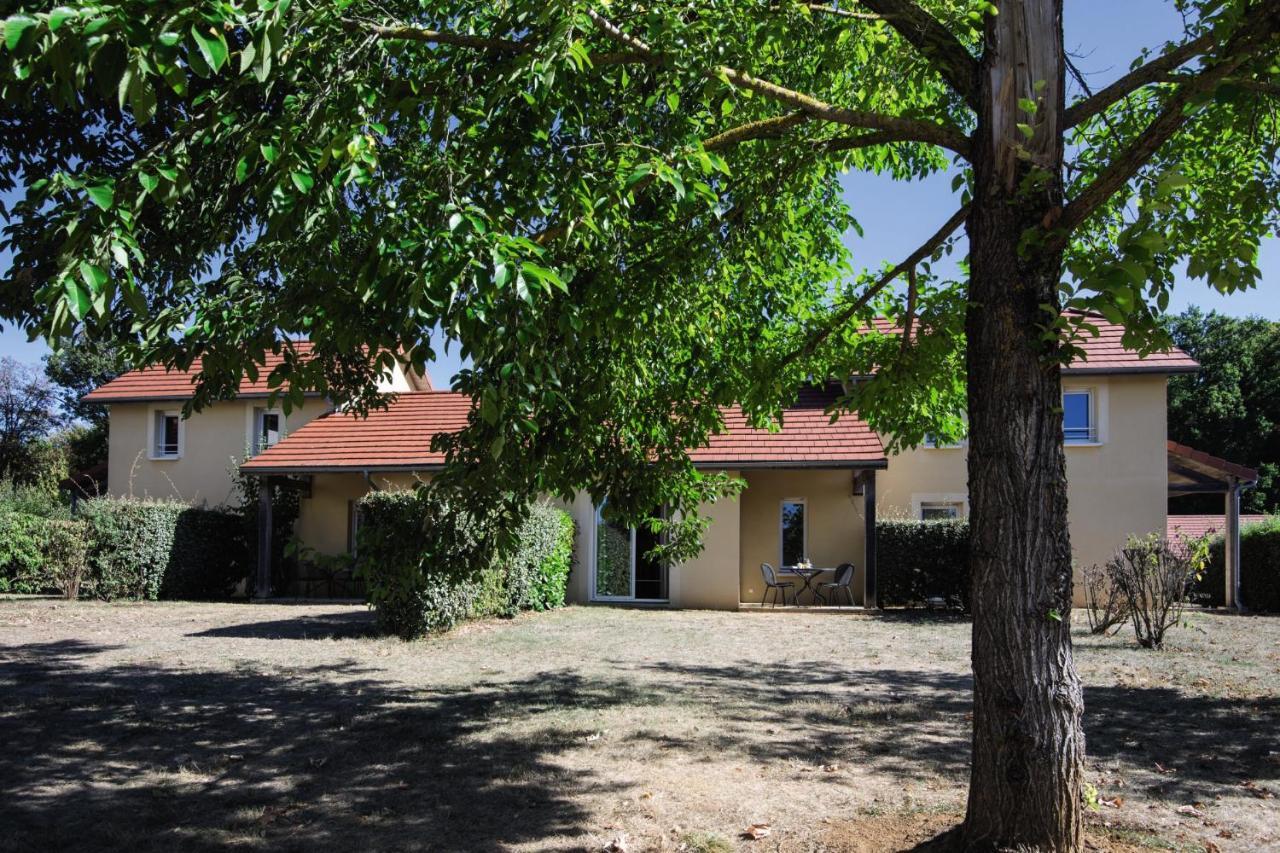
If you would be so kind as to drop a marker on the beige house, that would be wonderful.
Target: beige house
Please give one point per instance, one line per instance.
(812, 492)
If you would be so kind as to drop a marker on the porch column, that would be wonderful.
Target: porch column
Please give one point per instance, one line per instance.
(869, 596)
(1231, 546)
(263, 587)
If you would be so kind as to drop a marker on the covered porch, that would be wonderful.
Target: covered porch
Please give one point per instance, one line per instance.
(1194, 472)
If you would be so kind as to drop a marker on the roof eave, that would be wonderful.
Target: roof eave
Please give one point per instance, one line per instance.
(1122, 371)
(175, 398)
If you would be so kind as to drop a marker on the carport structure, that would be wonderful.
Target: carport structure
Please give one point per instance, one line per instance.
(1194, 472)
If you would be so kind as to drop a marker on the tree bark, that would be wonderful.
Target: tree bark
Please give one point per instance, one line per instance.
(1028, 746)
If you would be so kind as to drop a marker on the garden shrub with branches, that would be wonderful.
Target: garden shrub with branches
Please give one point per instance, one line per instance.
(1259, 568)
(1156, 577)
(1106, 605)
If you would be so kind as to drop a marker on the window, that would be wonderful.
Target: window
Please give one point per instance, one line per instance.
(1078, 422)
(793, 530)
(932, 441)
(937, 511)
(166, 436)
(268, 428)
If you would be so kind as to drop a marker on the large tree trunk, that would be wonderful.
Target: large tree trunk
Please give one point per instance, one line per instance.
(1028, 746)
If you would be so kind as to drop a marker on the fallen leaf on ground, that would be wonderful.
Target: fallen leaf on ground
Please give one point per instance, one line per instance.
(1257, 790)
(1210, 847)
(1164, 769)
(756, 831)
(617, 845)
(1190, 811)
(830, 768)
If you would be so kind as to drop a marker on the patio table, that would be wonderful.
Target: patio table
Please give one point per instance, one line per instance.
(807, 576)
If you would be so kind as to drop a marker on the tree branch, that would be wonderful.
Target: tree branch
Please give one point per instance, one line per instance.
(847, 313)
(1153, 71)
(765, 128)
(922, 131)
(843, 13)
(935, 43)
(1254, 35)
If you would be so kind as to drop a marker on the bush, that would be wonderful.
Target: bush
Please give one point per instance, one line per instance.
(427, 567)
(1259, 568)
(148, 549)
(33, 499)
(422, 563)
(1156, 578)
(22, 560)
(919, 560)
(1106, 605)
(66, 555)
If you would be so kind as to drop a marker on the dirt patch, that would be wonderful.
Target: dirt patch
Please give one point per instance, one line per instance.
(206, 726)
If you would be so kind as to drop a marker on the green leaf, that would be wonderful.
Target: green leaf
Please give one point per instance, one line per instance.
(149, 182)
(103, 195)
(302, 180)
(673, 102)
(213, 47)
(1027, 130)
(78, 299)
(270, 153)
(169, 38)
(94, 276)
(242, 170)
(14, 27)
(59, 16)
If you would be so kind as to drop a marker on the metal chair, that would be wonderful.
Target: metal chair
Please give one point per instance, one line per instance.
(771, 582)
(842, 580)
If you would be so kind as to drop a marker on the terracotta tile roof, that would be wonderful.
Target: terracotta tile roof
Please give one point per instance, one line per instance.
(1196, 526)
(1201, 459)
(399, 437)
(1105, 353)
(157, 383)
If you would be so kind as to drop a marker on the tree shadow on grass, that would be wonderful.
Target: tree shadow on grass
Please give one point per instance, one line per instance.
(143, 758)
(318, 626)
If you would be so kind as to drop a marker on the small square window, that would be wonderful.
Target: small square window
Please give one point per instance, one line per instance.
(268, 429)
(1078, 422)
(167, 435)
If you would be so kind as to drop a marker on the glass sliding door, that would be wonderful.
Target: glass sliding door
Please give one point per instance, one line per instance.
(621, 568)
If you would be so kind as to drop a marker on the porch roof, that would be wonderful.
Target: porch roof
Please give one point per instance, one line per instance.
(398, 438)
(1193, 471)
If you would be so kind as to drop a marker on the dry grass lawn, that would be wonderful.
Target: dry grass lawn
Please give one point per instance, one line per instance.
(153, 727)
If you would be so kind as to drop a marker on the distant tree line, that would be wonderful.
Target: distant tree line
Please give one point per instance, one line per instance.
(1231, 407)
(47, 431)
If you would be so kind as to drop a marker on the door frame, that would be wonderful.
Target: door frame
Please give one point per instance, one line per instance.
(630, 598)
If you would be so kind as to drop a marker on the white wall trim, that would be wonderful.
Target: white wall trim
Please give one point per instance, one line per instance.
(1101, 392)
(152, 412)
(918, 499)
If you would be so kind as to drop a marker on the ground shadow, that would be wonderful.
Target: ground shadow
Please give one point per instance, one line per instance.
(320, 626)
(140, 758)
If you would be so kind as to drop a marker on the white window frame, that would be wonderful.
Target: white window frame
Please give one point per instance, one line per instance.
(1098, 406)
(155, 414)
(804, 502)
(254, 426)
(597, 518)
(922, 499)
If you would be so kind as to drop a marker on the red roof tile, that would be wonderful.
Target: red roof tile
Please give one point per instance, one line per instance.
(1105, 353)
(157, 383)
(1218, 464)
(1196, 526)
(399, 437)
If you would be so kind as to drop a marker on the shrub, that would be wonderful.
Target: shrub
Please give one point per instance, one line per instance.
(427, 567)
(1259, 568)
(66, 555)
(146, 549)
(33, 499)
(21, 552)
(919, 560)
(422, 563)
(1105, 604)
(1156, 577)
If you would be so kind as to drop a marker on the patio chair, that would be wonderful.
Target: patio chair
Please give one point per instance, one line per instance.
(779, 588)
(841, 581)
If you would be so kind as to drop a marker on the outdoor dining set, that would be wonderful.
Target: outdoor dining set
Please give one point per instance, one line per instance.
(833, 591)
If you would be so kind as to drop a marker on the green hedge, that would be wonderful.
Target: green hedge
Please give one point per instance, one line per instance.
(427, 568)
(153, 549)
(1259, 568)
(41, 555)
(917, 560)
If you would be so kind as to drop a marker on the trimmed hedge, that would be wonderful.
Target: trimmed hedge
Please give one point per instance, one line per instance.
(918, 560)
(427, 568)
(1259, 568)
(41, 554)
(153, 549)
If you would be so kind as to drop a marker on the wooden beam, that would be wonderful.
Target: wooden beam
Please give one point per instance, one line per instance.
(870, 596)
(263, 587)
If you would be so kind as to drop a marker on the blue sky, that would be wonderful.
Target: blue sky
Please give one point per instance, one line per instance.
(1103, 36)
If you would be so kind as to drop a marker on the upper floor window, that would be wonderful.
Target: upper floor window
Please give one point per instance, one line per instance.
(166, 435)
(931, 440)
(1079, 419)
(941, 510)
(794, 532)
(268, 428)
